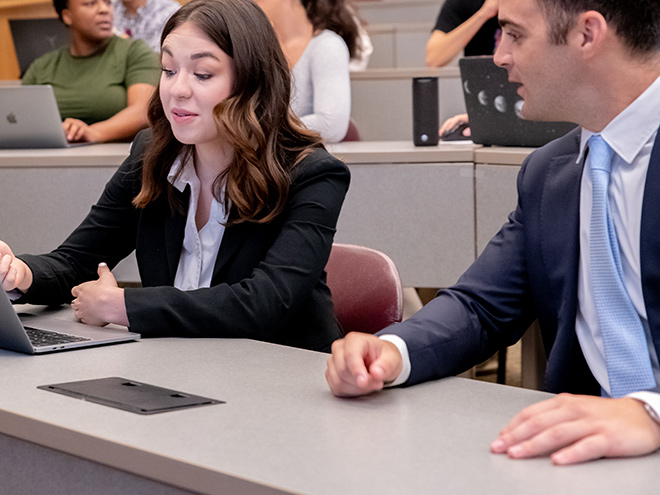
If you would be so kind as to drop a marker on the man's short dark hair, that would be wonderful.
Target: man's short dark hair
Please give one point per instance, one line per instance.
(636, 22)
(60, 5)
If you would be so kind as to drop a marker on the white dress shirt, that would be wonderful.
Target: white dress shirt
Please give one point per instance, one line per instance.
(200, 248)
(631, 134)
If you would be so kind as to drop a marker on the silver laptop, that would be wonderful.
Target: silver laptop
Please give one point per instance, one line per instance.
(29, 118)
(42, 332)
(494, 108)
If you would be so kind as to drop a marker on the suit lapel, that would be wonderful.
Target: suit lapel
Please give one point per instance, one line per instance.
(560, 229)
(649, 243)
(175, 227)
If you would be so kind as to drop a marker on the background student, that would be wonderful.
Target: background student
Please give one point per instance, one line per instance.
(143, 19)
(102, 83)
(318, 38)
(463, 25)
(579, 253)
(229, 202)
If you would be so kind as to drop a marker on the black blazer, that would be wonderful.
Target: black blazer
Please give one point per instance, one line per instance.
(529, 270)
(268, 282)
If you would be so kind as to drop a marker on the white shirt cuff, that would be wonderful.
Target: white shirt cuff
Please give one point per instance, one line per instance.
(652, 399)
(405, 357)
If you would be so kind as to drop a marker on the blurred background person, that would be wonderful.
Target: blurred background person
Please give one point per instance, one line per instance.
(463, 25)
(318, 38)
(102, 83)
(143, 19)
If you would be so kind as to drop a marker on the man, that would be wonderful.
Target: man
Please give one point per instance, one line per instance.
(143, 19)
(597, 63)
(469, 25)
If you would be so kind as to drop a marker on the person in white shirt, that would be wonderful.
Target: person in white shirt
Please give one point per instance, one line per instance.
(596, 63)
(229, 203)
(318, 37)
(143, 19)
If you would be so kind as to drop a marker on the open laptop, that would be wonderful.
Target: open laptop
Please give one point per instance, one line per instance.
(493, 106)
(48, 333)
(36, 37)
(29, 118)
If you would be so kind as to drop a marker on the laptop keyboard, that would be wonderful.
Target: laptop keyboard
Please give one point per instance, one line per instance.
(40, 338)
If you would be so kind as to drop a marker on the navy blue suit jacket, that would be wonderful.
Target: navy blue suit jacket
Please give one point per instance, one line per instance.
(529, 271)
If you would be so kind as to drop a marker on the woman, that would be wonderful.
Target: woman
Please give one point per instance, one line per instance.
(230, 204)
(318, 38)
(102, 83)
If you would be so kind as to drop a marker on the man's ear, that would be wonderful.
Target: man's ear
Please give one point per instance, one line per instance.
(591, 30)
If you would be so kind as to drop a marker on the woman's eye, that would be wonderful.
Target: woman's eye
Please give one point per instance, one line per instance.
(167, 72)
(203, 77)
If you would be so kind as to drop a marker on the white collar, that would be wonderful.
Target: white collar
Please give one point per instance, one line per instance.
(629, 131)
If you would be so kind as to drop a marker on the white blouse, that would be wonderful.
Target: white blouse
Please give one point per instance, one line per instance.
(200, 248)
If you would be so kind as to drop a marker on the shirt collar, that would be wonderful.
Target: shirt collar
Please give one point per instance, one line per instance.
(629, 131)
(187, 176)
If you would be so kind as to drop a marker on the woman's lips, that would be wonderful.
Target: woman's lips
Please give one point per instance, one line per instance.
(181, 116)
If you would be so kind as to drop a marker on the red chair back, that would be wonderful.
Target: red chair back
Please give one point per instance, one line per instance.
(352, 134)
(366, 288)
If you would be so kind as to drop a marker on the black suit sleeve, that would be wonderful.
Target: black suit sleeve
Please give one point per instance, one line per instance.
(106, 235)
(276, 274)
(489, 307)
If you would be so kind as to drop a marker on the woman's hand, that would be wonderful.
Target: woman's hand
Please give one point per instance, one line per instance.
(101, 301)
(14, 273)
(77, 131)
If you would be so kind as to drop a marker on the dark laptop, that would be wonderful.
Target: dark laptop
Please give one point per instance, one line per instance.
(39, 333)
(493, 108)
(35, 37)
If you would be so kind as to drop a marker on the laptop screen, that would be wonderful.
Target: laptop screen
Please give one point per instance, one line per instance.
(494, 108)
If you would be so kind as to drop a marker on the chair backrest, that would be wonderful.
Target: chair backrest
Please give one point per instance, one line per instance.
(366, 288)
(352, 134)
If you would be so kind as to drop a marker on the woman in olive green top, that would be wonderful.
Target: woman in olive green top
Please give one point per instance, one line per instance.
(102, 83)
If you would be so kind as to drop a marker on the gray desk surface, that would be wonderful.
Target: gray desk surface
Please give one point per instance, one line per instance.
(501, 155)
(391, 152)
(282, 430)
(96, 155)
(112, 154)
(351, 152)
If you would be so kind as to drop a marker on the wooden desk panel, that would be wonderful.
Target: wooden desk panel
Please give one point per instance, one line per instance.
(17, 9)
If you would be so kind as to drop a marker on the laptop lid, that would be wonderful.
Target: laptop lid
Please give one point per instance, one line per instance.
(493, 106)
(36, 37)
(14, 336)
(29, 118)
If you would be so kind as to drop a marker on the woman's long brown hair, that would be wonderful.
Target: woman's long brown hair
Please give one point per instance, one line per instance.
(255, 120)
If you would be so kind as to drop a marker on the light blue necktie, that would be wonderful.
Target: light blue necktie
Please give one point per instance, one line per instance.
(626, 352)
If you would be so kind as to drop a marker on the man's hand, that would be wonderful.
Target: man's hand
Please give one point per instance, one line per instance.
(579, 428)
(101, 301)
(361, 363)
